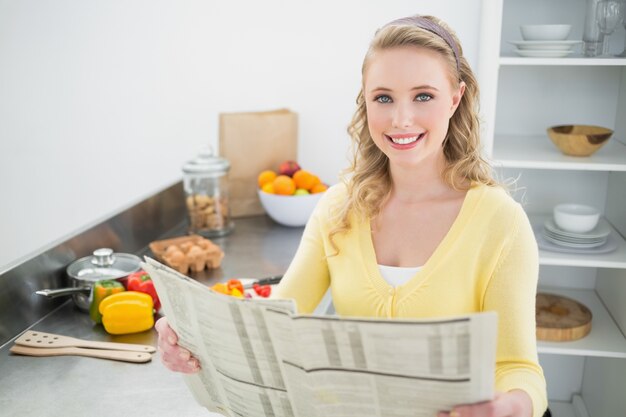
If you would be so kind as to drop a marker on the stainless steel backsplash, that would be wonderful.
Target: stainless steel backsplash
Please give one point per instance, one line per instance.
(129, 231)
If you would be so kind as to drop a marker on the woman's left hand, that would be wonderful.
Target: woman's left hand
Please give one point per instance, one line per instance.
(514, 403)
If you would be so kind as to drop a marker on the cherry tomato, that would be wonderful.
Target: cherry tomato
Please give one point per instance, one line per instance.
(262, 290)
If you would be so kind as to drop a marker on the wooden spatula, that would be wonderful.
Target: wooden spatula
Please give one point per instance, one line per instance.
(116, 355)
(49, 340)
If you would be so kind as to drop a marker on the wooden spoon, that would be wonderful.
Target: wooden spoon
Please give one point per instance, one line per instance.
(116, 355)
(49, 340)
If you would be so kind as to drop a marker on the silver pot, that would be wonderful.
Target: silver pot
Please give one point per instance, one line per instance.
(85, 272)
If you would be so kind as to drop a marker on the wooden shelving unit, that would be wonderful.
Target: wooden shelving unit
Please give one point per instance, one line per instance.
(520, 98)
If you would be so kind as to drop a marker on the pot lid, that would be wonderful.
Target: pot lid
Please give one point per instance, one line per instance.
(104, 264)
(206, 163)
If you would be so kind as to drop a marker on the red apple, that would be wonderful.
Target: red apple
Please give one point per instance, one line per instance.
(288, 168)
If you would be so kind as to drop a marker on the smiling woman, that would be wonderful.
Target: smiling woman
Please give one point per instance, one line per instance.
(420, 199)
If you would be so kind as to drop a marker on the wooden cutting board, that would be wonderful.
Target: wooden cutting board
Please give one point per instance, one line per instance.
(561, 319)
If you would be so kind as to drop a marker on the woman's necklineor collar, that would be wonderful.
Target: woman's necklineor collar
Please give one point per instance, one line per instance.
(471, 202)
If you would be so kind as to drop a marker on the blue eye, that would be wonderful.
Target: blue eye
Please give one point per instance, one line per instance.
(383, 98)
(423, 97)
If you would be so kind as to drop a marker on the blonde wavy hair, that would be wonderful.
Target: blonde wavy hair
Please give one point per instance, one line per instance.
(368, 179)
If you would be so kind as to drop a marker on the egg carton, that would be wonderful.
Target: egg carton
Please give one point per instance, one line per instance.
(188, 253)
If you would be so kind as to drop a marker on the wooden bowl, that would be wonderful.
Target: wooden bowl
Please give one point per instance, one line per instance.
(579, 140)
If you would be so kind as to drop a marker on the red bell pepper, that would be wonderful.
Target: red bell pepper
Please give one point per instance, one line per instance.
(141, 281)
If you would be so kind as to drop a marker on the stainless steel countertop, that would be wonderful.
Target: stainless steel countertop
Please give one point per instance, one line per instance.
(80, 386)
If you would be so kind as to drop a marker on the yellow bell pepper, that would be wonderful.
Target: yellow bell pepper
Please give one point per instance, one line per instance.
(127, 312)
(236, 293)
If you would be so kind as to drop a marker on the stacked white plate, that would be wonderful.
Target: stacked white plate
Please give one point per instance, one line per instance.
(544, 49)
(593, 239)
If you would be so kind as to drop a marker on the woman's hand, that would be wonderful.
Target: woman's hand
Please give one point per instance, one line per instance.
(515, 403)
(173, 356)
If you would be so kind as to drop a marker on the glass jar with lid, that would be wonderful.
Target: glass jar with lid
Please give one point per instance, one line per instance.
(205, 180)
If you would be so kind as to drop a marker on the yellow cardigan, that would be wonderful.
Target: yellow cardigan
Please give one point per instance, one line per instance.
(488, 261)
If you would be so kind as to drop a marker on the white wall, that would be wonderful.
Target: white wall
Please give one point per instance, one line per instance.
(102, 101)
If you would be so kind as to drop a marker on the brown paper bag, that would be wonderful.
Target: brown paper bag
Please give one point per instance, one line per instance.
(254, 142)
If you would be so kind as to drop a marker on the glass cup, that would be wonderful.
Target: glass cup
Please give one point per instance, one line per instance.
(623, 53)
(609, 15)
(593, 39)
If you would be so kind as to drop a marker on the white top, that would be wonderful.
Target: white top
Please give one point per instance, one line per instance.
(397, 275)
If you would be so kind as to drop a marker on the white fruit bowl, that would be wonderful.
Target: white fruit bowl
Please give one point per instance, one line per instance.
(289, 210)
(576, 218)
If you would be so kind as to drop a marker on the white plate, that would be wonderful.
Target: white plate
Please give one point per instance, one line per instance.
(546, 45)
(550, 235)
(573, 245)
(601, 230)
(542, 54)
(610, 245)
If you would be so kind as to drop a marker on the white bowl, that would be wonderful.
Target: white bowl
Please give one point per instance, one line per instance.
(289, 210)
(545, 32)
(576, 218)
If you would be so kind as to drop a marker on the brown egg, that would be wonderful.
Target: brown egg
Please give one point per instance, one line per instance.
(171, 249)
(176, 257)
(186, 246)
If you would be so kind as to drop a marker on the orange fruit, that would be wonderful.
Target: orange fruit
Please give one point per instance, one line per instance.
(284, 185)
(268, 188)
(265, 177)
(304, 179)
(319, 188)
(316, 180)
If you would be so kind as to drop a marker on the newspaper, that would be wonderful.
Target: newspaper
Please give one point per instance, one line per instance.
(260, 358)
